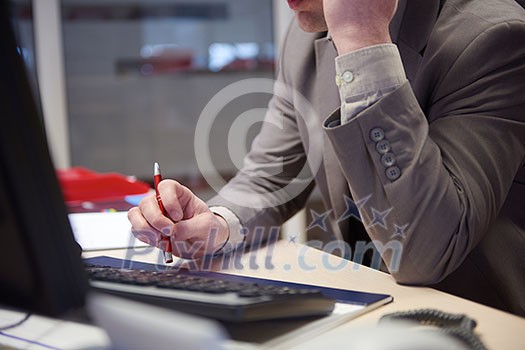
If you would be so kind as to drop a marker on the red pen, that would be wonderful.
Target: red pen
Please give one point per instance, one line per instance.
(157, 178)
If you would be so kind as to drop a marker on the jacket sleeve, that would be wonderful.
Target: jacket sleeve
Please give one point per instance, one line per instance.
(275, 180)
(451, 165)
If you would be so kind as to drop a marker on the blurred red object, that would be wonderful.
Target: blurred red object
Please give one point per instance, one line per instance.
(80, 185)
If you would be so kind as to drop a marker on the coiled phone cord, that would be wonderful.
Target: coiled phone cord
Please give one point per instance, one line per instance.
(457, 325)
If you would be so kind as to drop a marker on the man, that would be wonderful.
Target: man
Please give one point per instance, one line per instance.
(414, 111)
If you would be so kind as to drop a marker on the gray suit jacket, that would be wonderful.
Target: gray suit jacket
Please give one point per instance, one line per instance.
(457, 130)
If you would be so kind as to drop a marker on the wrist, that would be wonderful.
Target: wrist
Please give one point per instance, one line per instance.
(223, 233)
(236, 233)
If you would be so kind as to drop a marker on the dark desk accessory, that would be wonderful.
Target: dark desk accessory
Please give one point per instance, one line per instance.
(458, 326)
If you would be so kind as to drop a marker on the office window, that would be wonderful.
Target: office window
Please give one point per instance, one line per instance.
(139, 73)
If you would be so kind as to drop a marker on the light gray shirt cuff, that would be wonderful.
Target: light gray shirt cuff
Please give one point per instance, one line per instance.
(366, 75)
(235, 238)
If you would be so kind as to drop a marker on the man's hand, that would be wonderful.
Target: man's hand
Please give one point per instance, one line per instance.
(193, 229)
(354, 24)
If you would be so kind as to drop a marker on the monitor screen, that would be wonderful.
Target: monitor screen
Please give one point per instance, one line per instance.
(40, 265)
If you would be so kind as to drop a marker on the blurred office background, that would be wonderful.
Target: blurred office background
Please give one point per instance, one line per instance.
(122, 83)
(135, 76)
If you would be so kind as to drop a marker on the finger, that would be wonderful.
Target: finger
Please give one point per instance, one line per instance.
(141, 229)
(151, 212)
(178, 200)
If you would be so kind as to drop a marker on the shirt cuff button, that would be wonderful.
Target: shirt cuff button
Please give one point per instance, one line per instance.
(348, 76)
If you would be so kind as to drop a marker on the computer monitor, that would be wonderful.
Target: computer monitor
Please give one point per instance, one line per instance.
(40, 264)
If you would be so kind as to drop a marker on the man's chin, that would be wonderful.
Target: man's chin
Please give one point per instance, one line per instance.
(311, 24)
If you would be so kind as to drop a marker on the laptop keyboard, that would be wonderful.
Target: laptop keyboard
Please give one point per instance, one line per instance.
(212, 297)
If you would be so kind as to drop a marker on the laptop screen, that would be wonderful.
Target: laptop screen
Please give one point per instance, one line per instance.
(40, 264)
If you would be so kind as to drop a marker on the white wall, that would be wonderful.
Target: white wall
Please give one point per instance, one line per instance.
(50, 66)
(50, 69)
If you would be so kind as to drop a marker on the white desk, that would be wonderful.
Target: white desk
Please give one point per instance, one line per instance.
(297, 263)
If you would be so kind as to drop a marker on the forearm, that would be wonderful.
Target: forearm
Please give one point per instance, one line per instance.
(252, 226)
(275, 180)
(420, 208)
(453, 167)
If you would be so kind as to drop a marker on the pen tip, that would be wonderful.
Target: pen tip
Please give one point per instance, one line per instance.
(156, 168)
